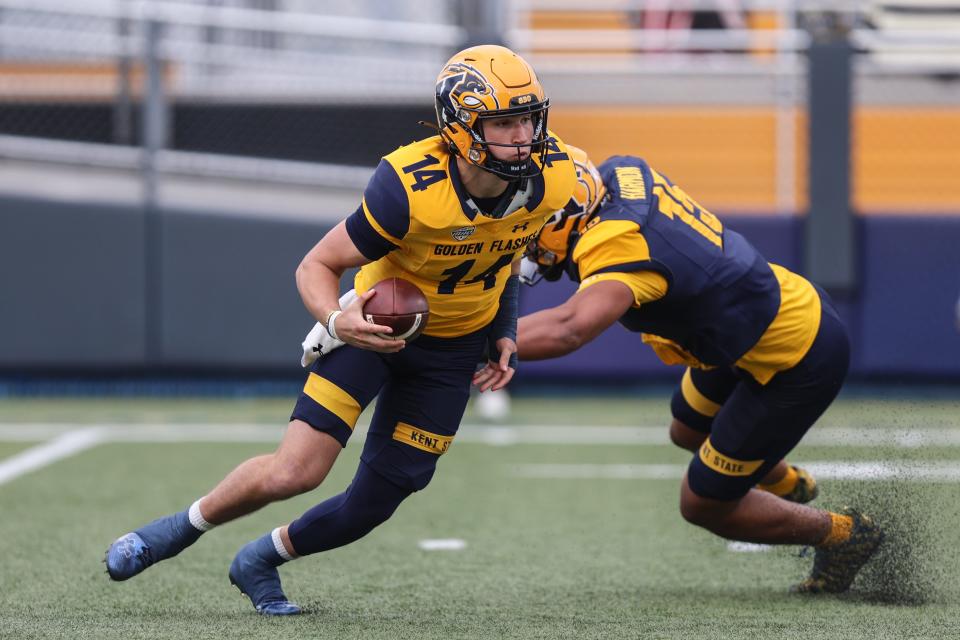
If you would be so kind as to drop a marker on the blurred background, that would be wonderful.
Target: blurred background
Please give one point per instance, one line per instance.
(165, 165)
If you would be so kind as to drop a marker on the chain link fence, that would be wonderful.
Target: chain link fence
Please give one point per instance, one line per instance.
(313, 92)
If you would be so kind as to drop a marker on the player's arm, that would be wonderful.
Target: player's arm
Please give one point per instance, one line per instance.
(500, 368)
(318, 280)
(565, 328)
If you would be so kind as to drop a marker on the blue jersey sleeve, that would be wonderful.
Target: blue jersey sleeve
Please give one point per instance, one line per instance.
(383, 219)
(370, 243)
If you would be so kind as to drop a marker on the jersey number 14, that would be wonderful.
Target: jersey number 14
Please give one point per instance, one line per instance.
(487, 276)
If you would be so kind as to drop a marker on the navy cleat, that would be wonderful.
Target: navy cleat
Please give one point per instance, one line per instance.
(128, 556)
(254, 573)
(131, 553)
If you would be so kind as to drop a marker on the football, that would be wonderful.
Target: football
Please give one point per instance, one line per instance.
(400, 305)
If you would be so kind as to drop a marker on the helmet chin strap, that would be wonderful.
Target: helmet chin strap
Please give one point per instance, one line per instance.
(496, 167)
(526, 168)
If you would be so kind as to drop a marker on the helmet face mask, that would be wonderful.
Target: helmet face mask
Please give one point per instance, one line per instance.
(547, 256)
(484, 83)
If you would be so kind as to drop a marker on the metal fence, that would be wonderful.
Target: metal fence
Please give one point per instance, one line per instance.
(294, 91)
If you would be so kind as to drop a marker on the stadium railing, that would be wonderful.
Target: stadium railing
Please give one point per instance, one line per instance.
(599, 59)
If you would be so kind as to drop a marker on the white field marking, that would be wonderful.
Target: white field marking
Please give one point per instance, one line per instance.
(62, 446)
(158, 432)
(747, 547)
(599, 471)
(502, 435)
(927, 471)
(68, 439)
(931, 471)
(506, 435)
(443, 544)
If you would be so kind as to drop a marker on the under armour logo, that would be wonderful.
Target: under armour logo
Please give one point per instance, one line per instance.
(520, 227)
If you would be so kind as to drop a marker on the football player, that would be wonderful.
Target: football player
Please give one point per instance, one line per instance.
(764, 348)
(451, 214)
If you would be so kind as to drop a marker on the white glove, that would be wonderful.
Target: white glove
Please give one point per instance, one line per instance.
(318, 341)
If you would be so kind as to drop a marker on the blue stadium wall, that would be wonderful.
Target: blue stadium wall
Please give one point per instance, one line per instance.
(73, 293)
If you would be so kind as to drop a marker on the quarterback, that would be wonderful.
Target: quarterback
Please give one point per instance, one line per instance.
(765, 352)
(451, 214)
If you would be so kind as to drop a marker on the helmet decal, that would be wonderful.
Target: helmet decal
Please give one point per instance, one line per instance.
(464, 86)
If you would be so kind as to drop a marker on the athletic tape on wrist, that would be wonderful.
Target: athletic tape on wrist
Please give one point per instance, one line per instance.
(330, 324)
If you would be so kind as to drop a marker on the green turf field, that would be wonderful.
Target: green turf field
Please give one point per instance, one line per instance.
(565, 535)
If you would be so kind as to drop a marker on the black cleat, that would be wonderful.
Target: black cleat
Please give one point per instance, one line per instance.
(835, 568)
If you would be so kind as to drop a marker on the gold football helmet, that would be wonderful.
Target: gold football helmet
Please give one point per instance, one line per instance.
(547, 255)
(485, 82)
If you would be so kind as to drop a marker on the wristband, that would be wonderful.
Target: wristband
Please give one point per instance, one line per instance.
(331, 319)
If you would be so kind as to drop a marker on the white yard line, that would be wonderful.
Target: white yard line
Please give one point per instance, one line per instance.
(599, 471)
(62, 446)
(442, 544)
(747, 547)
(64, 440)
(502, 435)
(927, 471)
(918, 471)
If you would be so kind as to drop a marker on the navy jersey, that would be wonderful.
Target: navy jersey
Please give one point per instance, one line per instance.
(721, 295)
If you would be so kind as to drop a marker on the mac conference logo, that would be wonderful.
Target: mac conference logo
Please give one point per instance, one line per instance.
(462, 233)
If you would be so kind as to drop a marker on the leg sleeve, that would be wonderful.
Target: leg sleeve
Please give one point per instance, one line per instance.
(369, 501)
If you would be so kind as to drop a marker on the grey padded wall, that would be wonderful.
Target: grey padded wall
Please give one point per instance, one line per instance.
(229, 296)
(71, 285)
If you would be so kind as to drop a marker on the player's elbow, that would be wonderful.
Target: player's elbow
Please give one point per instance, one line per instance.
(571, 334)
(307, 268)
(571, 340)
(301, 275)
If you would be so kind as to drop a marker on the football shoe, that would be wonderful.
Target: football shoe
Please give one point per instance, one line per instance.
(259, 580)
(163, 538)
(806, 489)
(835, 567)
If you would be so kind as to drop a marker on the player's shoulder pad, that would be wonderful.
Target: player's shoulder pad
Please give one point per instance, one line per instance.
(559, 174)
(629, 181)
(623, 234)
(385, 201)
(417, 151)
(627, 178)
(388, 198)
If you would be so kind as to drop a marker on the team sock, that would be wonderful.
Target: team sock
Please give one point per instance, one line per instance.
(841, 527)
(197, 520)
(279, 547)
(784, 485)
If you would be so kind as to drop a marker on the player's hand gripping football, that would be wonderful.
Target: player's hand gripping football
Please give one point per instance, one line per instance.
(495, 375)
(353, 328)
